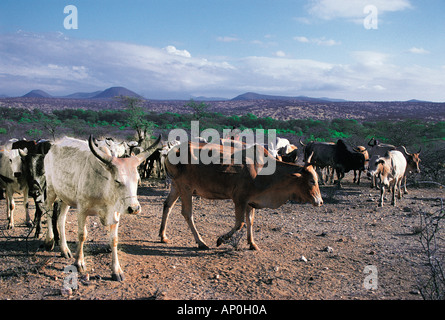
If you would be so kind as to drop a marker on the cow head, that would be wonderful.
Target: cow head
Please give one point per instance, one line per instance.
(307, 185)
(362, 150)
(34, 166)
(125, 177)
(378, 166)
(6, 172)
(412, 160)
(15, 163)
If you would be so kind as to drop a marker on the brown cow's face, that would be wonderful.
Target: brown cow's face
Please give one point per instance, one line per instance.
(307, 189)
(413, 162)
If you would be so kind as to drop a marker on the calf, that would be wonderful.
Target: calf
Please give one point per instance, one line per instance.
(391, 169)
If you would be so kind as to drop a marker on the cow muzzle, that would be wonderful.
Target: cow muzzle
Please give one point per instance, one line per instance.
(317, 201)
(17, 174)
(134, 209)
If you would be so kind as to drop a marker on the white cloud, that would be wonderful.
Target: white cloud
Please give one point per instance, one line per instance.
(416, 50)
(227, 39)
(370, 58)
(182, 53)
(318, 41)
(352, 9)
(63, 66)
(302, 39)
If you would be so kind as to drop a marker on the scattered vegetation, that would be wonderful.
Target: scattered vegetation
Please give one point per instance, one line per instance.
(122, 123)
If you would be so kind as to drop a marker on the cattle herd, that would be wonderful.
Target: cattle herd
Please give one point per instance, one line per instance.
(101, 177)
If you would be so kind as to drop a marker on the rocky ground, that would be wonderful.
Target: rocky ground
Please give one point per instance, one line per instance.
(306, 252)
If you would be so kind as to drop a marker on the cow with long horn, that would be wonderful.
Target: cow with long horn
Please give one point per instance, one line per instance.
(82, 175)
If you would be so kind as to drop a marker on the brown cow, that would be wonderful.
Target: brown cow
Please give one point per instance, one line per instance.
(413, 164)
(362, 150)
(243, 183)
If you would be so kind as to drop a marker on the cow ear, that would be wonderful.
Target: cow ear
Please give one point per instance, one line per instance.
(297, 175)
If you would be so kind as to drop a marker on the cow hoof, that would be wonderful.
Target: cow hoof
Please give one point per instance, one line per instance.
(203, 246)
(253, 246)
(164, 240)
(29, 224)
(49, 245)
(67, 254)
(220, 241)
(117, 277)
(10, 226)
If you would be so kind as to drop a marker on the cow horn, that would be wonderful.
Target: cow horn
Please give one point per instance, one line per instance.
(308, 161)
(369, 143)
(102, 156)
(302, 143)
(144, 155)
(23, 152)
(420, 150)
(404, 150)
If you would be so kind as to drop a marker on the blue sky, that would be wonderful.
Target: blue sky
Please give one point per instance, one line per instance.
(222, 48)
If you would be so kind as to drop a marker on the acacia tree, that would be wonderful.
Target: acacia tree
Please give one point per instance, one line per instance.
(198, 109)
(136, 117)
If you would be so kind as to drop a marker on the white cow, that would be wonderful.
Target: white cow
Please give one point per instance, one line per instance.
(81, 175)
(13, 180)
(117, 149)
(391, 169)
(276, 145)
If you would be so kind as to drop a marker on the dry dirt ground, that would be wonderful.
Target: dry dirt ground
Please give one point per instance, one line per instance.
(339, 240)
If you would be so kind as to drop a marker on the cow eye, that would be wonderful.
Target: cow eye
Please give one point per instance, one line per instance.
(118, 182)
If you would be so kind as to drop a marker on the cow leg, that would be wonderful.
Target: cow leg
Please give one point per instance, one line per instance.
(340, 176)
(187, 212)
(61, 225)
(399, 187)
(405, 191)
(116, 272)
(81, 236)
(239, 222)
(393, 195)
(26, 205)
(250, 214)
(38, 220)
(168, 206)
(320, 175)
(382, 195)
(49, 203)
(331, 174)
(10, 206)
(158, 167)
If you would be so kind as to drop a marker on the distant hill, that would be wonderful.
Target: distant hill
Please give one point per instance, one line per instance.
(82, 95)
(202, 98)
(115, 92)
(37, 94)
(257, 96)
